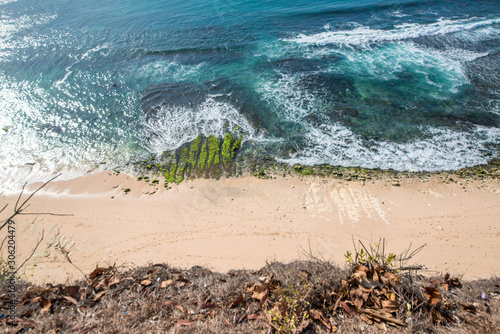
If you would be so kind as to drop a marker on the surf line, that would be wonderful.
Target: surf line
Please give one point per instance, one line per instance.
(69, 71)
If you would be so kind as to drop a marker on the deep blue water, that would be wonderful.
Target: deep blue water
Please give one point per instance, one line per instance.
(408, 85)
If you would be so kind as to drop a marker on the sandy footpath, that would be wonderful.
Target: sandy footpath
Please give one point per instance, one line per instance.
(243, 222)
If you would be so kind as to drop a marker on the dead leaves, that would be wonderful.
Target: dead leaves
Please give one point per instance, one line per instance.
(175, 304)
(45, 305)
(238, 301)
(369, 292)
(181, 322)
(254, 317)
(433, 295)
(306, 304)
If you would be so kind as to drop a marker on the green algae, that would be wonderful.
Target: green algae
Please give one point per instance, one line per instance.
(213, 151)
(193, 151)
(203, 157)
(202, 160)
(171, 174)
(236, 146)
(226, 148)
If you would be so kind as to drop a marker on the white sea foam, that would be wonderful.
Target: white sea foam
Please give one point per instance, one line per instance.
(365, 35)
(287, 99)
(84, 56)
(174, 126)
(336, 144)
(441, 72)
(444, 149)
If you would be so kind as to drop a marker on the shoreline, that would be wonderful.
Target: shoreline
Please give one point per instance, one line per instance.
(242, 222)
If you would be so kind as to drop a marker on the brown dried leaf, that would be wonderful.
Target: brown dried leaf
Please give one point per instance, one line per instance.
(99, 295)
(71, 300)
(182, 281)
(375, 277)
(454, 282)
(391, 296)
(470, 308)
(360, 268)
(317, 315)
(436, 316)
(210, 306)
(260, 291)
(114, 281)
(433, 295)
(391, 277)
(146, 282)
(347, 308)
(236, 302)
(21, 303)
(181, 322)
(390, 306)
(254, 317)
(278, 291)
(175, 304)
(74, 291)
(314, 314)
(384, 280)
(370, 284)
(166, 283)
(102, 285)
(98, 272)
(357, 276)
(45, 305)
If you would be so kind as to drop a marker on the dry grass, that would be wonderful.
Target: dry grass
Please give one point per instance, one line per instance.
(299, 297)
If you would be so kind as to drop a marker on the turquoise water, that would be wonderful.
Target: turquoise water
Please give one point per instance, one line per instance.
(408, 85)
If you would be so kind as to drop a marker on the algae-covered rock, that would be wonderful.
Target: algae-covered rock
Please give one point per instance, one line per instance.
(213, 151)
(203, 157)
(202, 160)
(226, 148)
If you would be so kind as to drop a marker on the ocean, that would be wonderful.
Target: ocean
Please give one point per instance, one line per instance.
(404, 85)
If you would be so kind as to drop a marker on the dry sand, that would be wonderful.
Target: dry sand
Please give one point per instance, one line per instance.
(240, 223)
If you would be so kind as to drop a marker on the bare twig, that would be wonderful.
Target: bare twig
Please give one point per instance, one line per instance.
(47, 214)
(31, 255)
(66, 255)
(311, 255)
(383, 317)
(19, 208)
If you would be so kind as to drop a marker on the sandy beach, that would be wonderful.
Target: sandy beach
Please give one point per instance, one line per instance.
(240, 223)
